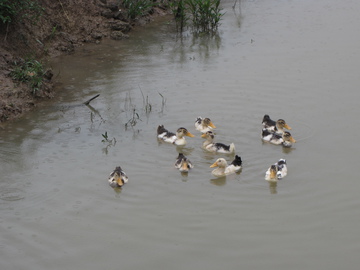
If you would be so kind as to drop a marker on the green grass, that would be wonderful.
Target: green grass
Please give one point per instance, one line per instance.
(11, 10)
(30, 72)
(204, 15)
(137, 8)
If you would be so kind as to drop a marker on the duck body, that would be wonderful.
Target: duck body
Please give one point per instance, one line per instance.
(285, 139)
(282, 169)
(235, 165)
(211, 146)
(276, 171)
(270, 174)
(204, 124)
(118, 178)
(268, 123)
(183, 163)
(223, 169)
(272, 137)
(174, 138)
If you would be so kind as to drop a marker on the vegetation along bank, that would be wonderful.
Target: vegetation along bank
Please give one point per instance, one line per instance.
(33, 30)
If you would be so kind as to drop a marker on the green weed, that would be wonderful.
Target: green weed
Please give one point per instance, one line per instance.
(205, 15)
(31, 72)
(19, 10)
(136, 8)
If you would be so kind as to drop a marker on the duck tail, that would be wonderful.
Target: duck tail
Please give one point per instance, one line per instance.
(232, 148)
(237, 161)
(161, 129)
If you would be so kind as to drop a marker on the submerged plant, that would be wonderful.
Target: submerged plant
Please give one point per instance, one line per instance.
(133, 120)
(146, 103)
(110, 142)
(163, 101)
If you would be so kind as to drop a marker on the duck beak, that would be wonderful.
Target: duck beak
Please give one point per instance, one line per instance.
(292, 140)
(287, 127)
(214, 165)
(203, 135)
(212, 125)
(189, 134)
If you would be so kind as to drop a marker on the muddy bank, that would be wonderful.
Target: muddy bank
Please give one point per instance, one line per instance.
(63, 26)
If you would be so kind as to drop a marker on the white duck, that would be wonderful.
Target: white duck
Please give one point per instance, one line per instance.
(223, 168)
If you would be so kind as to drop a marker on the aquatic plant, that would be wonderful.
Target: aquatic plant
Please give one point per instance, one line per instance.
(107, 140)
(180, 15)
(204, 15)
(136, 8)
(133, 120)
(146, 103)
(29, 71)
(163, 101)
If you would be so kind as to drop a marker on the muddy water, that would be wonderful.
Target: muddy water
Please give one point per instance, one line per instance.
(296, 60)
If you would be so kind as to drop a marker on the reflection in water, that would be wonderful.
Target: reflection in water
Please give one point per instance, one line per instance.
(185, 150)
(273, 187)
(221, 181)
(195, 47)
(287, 150)
(237, 12)
(11, 194)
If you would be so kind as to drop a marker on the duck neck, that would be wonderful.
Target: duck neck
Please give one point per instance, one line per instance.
(207, 142)
(219, 171)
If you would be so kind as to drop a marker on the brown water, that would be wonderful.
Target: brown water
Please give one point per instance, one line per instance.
(296, 60)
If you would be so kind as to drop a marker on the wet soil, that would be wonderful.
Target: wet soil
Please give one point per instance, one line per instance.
(64, 26)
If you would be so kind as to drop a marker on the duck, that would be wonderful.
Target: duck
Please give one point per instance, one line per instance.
(210, 146)
(286, 139)
(183, 163)
(174, 138)
(204, 124)
(118, 178)
(276, 171)
(274, 126)
(225, 169)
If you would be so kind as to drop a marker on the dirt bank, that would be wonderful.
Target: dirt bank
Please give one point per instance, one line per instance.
(63, 26)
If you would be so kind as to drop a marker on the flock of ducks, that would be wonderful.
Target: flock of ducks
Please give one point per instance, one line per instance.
(272, 132)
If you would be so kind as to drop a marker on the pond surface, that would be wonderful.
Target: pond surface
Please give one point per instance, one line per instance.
(296, 60)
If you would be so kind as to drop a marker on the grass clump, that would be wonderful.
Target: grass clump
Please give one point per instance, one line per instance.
(204, 15)
(137, 8)
(19, 9)
(31, 72)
